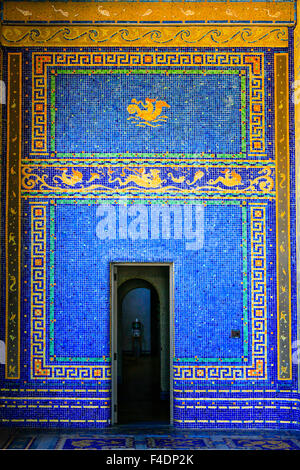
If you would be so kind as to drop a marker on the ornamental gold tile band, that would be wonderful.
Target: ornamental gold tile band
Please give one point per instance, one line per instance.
(142, 36)
(147, 24)
(12, 235)
(283, 216)
(147, 12)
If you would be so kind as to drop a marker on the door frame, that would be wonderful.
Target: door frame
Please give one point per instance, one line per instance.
(114, 331)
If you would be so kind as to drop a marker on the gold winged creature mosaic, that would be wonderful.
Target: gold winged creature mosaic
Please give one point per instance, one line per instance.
(148, 113)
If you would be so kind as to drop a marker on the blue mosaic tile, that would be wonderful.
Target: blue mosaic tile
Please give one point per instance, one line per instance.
(82, 156)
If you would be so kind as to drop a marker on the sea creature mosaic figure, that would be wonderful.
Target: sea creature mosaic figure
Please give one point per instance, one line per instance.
(148, 113)
(141, 178)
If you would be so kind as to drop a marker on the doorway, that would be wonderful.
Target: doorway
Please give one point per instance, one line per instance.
(141, 340)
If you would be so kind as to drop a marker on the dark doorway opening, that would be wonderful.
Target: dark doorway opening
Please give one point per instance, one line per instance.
(142, 396)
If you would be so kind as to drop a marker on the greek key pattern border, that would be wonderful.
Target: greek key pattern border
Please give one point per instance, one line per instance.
(39, 367)
(41, 62)
(257, 370)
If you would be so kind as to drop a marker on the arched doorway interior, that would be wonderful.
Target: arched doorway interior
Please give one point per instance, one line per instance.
(143, 375)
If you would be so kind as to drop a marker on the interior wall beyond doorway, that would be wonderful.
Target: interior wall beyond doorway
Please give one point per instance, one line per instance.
(158, 277)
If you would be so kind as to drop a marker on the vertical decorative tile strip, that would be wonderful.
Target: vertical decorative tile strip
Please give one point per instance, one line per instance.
(296, 99)
(245, 281)
(1, 130)
(283, 216)
(38, 286)
(259, 290)
(12, 233)
(51, 276)
(243, 111)
(52, 144)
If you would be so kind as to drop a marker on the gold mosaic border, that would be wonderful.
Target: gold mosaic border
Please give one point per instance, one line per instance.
(296, 92)
(13, 215)
(147, 12)
(144, 36)
(282, 153)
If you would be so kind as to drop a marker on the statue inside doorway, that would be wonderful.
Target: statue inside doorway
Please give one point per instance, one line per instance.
(136, 334)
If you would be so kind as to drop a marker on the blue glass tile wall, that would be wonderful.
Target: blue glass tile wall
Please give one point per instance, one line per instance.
(208, 278)
(202, 112)
(80, 169)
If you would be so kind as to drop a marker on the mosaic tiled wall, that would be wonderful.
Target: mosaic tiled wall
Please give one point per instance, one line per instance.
(191, 129)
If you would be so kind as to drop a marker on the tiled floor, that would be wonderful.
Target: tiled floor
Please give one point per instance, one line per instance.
(148, 437)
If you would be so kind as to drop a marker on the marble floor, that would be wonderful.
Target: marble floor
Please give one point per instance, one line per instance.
(146, 437)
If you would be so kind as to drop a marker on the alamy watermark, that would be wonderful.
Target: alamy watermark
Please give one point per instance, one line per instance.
(152, 222)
